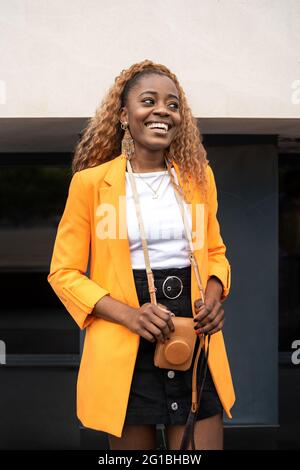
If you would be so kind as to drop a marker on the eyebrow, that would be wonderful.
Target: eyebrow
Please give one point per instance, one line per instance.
(171, 95)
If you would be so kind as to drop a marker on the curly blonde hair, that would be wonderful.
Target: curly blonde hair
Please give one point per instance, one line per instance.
(102, 138)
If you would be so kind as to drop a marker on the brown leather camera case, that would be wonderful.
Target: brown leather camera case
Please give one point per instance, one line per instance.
(177, 352)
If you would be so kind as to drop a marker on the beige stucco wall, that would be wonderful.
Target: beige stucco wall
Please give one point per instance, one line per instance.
(234, 58)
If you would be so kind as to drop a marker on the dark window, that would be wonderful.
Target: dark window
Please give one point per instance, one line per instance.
(32, 200)
(289, 250)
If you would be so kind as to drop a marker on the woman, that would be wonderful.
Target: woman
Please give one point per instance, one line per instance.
(144, 122)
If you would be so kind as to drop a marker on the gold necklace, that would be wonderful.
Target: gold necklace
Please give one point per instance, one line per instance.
(154, 191)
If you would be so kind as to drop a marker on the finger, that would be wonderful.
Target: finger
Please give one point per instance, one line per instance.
(162, 325)
(156, 332)
(219, 328)
(146, 335)
(166, 314)
(171, 325)
(198, 304)
(168, 320)
(211, 325)
(202, 314)
(208, 313)
(202, 321)
(164, 307)
(200, 309)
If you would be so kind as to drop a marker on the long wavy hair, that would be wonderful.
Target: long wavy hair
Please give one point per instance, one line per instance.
(102, 138)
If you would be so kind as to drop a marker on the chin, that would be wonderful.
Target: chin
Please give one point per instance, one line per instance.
(158, 145)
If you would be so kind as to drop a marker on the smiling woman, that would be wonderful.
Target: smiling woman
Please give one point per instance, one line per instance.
(141, 156)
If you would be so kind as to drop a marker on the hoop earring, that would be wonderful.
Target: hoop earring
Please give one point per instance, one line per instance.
(127, 142)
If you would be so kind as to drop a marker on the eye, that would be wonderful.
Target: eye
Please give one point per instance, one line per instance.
(148, 99)
(176, 106)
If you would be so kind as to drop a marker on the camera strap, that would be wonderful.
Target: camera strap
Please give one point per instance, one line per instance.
(188, 436)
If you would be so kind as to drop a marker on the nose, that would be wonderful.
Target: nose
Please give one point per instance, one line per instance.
(161, 110)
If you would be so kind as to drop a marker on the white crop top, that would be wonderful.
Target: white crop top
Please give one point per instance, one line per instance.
(165, 234)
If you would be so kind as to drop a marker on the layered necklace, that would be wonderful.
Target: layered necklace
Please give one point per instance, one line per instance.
(155, 194)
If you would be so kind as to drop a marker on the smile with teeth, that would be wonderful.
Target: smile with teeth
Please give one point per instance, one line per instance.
(158, 125)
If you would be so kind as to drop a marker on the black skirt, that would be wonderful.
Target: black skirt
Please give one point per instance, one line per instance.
(161, 396)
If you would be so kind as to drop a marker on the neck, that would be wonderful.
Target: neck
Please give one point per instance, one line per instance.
(144, 161)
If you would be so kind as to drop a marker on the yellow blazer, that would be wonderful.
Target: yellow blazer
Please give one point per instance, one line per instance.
(110, 350)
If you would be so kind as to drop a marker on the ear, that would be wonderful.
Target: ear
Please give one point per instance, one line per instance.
(124, 115)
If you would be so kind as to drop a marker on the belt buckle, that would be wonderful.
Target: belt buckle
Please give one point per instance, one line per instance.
(169, 287)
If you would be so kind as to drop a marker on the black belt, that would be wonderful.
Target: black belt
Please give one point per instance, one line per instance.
(170, 285)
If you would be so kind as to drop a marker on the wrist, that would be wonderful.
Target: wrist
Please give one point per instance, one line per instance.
(113, 310)
(126, 314)
(214, 289)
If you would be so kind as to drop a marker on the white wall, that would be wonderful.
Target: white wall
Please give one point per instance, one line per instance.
(234, 58)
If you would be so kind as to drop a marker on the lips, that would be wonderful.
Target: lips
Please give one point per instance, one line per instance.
(158, 125)
(157, 131)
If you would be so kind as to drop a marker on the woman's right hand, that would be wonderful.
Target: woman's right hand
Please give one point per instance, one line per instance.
(152, 322)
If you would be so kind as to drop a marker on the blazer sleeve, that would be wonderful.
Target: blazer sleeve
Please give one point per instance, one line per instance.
(77, 292)
(218, 264)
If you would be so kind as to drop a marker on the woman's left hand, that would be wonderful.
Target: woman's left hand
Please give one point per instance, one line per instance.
(209, 316)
